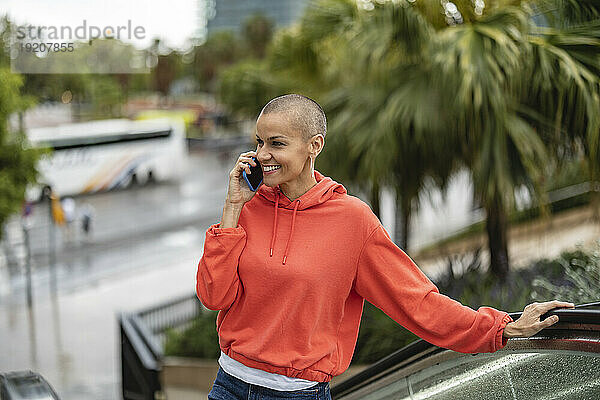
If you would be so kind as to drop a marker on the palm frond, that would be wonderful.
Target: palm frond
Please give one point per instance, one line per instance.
(566, 13)
(475, 64)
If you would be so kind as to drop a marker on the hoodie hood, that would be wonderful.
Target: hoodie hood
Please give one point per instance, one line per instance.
(325, 189)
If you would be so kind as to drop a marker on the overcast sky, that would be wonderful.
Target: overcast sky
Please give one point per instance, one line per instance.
(174, 21)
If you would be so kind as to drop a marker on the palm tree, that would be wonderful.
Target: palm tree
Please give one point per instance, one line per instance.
(402, 130)
(512, 89)
(485, 69)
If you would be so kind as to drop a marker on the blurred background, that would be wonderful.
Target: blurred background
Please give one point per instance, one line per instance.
(471, 128)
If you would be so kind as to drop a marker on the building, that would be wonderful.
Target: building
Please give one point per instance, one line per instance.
(216, 15)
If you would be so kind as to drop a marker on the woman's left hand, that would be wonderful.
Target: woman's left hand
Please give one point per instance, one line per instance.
(529, 324)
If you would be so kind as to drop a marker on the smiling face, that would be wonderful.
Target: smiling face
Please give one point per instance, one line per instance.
(284, 154)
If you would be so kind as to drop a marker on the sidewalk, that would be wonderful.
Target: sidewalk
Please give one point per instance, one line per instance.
(527, 242)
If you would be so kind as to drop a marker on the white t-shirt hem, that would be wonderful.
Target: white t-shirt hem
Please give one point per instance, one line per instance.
(259, 377)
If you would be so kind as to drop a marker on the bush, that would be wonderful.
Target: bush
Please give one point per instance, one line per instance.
(378, 336)
(199, 340)
(580, 282)
(467, 280)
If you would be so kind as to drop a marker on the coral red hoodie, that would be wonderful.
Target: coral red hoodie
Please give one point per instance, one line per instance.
(291, 278)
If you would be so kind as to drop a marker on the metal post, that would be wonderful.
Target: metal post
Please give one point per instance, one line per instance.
(51, 242)
(27, 264)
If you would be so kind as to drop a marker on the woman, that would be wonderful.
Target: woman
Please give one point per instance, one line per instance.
(290, 265)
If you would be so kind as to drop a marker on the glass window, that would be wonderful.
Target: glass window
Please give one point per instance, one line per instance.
(556, 375)
(469, 377)
(3, 394)
(32, 387)
(396, 390)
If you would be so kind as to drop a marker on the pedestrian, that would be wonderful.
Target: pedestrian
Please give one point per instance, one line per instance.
(87, 216)
(69, 211)
(290, 265)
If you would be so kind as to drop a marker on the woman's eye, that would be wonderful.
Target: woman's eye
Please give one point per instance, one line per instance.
(277, 143)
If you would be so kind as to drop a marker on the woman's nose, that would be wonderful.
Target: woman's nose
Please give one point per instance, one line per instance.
(261, 155)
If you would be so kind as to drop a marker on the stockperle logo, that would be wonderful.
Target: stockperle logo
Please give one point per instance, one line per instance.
(78, 48)
(80, 32)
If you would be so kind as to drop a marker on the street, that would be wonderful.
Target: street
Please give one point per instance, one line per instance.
(144, 250)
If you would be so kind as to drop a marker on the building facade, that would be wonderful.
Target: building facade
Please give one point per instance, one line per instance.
(231, 14)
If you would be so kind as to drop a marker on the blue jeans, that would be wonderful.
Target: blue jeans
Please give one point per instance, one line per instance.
(227, 387)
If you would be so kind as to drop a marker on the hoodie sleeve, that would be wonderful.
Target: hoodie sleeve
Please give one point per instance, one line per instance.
(217, 279)
(391, 281)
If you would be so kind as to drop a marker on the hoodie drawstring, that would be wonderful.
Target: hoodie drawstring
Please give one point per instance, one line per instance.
(274, 222)
(287, 246)
(291, 232)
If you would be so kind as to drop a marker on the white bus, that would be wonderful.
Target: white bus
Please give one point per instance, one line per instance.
(95, 156)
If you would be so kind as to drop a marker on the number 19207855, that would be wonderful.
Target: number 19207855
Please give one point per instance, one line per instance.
(47, 47)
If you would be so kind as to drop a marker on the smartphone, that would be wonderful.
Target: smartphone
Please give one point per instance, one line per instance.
(256, 176)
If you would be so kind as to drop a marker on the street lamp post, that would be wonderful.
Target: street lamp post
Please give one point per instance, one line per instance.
(25, 226)
(51, 241)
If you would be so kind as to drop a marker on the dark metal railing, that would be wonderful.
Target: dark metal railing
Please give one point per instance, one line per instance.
(140, 361)
(173, 314)
(142, 343)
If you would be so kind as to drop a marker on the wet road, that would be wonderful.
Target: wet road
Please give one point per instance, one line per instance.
(144, 251)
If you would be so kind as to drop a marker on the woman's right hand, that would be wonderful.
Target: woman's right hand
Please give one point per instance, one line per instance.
(238, 192)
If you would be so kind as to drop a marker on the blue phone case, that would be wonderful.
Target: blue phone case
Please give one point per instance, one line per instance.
(254, 189)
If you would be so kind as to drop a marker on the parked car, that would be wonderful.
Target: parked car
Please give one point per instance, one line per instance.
(560, 362)
(25, 385)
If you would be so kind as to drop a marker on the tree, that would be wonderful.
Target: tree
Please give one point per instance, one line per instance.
(257, 32)
(246, 87)
(391, 112)
(512, 92)
(482, 69)
(220, 50)
(17, 164)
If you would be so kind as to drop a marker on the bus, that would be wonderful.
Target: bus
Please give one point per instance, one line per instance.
(95, 156)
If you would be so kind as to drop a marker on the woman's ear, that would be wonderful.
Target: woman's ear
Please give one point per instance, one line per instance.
(316, 144)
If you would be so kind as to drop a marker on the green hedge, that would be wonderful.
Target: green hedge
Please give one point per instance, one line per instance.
(198, 340)
(579, 280)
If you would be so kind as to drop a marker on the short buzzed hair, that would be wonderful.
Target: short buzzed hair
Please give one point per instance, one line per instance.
(305, 114)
